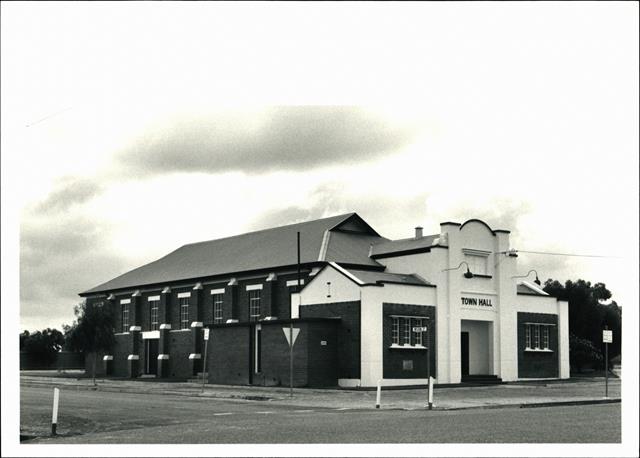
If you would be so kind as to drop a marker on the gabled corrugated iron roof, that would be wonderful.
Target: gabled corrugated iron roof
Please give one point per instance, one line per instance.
(398, 246)
(369, 277)
(343, 238)
(524, 287)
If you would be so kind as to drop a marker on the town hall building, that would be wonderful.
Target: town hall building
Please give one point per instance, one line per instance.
(452, 305)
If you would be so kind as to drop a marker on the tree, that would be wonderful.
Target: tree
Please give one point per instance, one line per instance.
(589, 313)
(92, 332)
(23, 339)
(583, 353)
(42, 345)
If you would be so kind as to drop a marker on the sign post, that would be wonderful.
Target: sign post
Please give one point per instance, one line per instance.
(291, 335)
(54, 416)
(425, 332)
(291, 357)
(204, 362)
(430, 400)
(607, 338)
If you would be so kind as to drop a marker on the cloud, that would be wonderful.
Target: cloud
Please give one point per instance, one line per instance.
(70, 191)
(60, 257)
(330, 199)
(502, 213)
(278, 138)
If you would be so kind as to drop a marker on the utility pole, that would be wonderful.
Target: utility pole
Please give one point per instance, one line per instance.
(291, 323)
(430, 387)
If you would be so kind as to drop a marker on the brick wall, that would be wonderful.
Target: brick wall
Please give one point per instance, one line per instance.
(121, 351)
(282, 307)
(180, 344)
(228, 355)
(532, 364)
(322, 350)
(394, 360)
(348, 333)
(231, 355)
(275, 356)
(180, 347)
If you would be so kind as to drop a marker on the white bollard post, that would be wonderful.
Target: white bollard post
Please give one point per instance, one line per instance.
(378, 395)
(54, 416)
(430, 393)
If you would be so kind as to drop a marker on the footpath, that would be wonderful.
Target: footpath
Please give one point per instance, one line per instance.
(582, 390)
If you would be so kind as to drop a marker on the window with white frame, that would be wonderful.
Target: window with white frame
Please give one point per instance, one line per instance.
(217, 308)
(545, 336)
(536, 336)
(406, 331)
(417, 336)
(254, 304)
(395, 332)
(125, 317)
(154, 306)
(477, 263)
(184, 312)
(402, 333)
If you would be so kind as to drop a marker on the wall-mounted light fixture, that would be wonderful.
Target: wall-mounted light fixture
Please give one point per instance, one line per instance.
(536, 281)
(328, 289)
(467, 274)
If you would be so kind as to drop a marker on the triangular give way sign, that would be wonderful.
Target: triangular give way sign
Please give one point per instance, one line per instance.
(287, 331)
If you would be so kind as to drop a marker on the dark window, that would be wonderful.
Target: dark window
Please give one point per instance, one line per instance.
(153, 315)
(254, 305)
(184, 312)
(125, 317)
(217, 308)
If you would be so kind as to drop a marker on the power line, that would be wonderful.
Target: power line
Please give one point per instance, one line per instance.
(567, 254)
(47, 117)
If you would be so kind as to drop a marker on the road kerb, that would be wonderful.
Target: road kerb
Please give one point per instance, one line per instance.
(529, 405)
(276, 399)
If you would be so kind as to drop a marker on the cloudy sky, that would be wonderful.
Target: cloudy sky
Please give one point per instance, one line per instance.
(131, 129)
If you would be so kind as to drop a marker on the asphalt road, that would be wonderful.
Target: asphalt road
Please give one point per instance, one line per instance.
(93, 417)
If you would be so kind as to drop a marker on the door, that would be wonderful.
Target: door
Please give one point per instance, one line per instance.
(464, 353)
(151, 356)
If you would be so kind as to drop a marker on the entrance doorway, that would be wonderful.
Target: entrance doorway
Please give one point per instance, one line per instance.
(151, 356)
(464, 353)
(476, 348)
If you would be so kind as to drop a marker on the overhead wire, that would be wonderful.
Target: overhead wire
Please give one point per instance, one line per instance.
(566, 254)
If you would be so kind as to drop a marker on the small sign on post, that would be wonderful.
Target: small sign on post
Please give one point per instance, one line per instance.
(607, 338)
(204, 361)
(425, 342)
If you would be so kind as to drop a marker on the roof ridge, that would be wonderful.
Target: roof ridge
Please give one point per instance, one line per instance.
(407, 239)
(324, 245)
(346, 215)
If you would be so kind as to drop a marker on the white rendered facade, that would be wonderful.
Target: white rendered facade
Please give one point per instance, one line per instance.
(484, 307)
